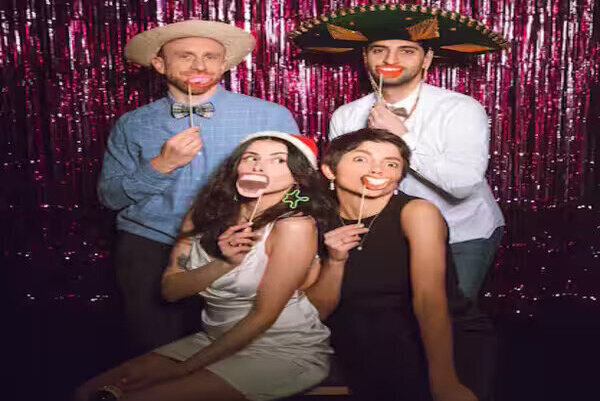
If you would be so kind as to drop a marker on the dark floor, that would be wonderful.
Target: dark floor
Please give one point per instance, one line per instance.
(553, 356)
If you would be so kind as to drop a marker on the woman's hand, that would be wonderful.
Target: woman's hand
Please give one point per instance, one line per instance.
(342, 239)
(149, 370)
(236, 241)
(454, 391)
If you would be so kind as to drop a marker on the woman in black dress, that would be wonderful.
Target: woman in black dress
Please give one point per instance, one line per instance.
(400, 326)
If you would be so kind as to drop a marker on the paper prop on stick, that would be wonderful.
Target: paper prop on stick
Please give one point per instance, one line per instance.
(390, 71)
(387, 71)
(196, 80)
(372, 183)
(252, 186)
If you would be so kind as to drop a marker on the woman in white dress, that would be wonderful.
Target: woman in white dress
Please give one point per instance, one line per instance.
(262, 338)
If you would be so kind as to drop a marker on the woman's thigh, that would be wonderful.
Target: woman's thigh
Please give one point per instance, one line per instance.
(110, 377)
(201, 385)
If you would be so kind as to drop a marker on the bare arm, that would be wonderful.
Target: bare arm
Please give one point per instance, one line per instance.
(426, 233)
(283, 276)
(324, 294)
(178, 282)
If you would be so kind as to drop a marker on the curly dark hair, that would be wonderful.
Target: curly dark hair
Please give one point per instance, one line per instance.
(216, 208)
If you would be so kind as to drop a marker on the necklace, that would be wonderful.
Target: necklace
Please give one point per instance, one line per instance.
(363, 239)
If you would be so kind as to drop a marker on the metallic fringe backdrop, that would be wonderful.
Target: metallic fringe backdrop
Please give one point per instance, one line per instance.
(65, 81)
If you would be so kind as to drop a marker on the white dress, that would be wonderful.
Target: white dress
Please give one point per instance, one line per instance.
(291, 356)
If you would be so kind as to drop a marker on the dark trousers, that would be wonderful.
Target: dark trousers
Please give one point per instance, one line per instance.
(475, 355)
(150, 321)
(382, 359)
(473, 259)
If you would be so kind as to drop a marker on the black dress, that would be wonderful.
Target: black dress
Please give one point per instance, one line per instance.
(375, 332)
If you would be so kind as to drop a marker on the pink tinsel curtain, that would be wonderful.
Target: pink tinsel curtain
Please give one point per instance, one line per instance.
(64, 82)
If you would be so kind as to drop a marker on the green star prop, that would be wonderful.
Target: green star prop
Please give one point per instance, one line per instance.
(294, 202)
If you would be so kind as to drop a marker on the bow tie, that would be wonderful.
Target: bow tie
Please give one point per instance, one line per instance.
(399, 111)
(206, 110)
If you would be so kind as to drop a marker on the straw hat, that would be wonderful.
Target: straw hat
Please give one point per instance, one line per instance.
(145, 45)
(349, 29)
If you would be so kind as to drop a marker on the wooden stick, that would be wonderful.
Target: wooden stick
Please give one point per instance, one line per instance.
(255, 209)
(190, 105)
(362, 203)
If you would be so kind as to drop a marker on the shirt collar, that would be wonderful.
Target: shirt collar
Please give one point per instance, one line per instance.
(409, 101)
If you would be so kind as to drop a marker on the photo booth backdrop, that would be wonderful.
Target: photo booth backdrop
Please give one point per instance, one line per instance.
(65, 82)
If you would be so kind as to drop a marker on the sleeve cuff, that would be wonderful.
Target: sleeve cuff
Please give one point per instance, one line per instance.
(154, 178)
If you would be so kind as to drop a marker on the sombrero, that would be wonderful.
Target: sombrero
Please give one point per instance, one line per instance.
(348, 29)
(145, 45)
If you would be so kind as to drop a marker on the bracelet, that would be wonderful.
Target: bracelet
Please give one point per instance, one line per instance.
(113, 390)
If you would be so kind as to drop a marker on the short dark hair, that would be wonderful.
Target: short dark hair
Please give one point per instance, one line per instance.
(343, 144)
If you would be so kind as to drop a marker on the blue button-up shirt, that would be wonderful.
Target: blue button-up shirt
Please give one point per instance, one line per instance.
(153, 204)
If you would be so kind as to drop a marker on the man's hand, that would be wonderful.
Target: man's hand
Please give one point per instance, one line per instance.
(178, 150)
(382, 118)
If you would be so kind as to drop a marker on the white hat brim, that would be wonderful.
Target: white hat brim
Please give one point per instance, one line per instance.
(144, 46)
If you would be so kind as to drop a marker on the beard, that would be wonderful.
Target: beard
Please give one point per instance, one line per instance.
(182, 85)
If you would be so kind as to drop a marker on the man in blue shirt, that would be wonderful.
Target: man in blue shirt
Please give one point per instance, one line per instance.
(156, 160)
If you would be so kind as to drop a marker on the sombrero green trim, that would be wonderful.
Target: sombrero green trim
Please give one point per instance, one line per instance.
(348, 29)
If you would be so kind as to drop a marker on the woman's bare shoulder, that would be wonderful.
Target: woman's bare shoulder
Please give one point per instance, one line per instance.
(420, 208)
(419, 216)
(296, 224)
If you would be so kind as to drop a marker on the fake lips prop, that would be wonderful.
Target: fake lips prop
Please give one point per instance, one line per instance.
(252, 185)
(199, 80)
(389, 71)
(196, 81)
(374, 183)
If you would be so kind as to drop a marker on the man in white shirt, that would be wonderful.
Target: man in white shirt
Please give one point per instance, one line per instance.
(447, 132)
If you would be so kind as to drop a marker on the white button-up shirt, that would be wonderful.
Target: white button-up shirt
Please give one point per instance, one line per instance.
(448, 134)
